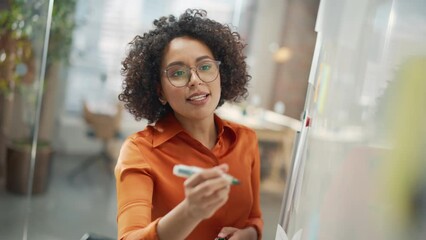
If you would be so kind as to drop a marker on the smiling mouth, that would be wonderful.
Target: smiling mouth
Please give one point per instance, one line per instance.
(198, 97)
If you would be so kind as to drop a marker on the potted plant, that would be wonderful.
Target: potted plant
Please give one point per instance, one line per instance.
(21, 37)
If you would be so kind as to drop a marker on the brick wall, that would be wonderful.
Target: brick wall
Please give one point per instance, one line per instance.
(291, 77)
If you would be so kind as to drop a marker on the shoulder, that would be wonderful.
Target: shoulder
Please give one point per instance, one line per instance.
(135, 144)
(133, 151)
(141, 138)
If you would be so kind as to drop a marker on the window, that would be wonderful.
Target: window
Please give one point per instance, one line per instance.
(103, 32)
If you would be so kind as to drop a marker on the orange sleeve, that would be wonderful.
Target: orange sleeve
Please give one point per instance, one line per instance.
(134, 185)
(255, 218)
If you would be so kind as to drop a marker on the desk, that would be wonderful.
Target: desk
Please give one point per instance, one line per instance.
(270, 127)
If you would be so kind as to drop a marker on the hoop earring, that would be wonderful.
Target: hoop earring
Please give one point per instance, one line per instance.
(162, 101)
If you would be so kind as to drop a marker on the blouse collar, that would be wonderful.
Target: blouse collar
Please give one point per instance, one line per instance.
(168, 127)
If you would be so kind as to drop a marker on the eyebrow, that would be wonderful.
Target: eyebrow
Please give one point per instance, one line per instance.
(198, 59)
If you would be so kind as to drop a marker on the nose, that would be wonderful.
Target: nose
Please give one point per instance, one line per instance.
(194, 79)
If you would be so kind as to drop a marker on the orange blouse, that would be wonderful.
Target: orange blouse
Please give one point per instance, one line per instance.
(147, 188)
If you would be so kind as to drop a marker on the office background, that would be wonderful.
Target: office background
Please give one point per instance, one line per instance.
(74, 192)
(357, 166)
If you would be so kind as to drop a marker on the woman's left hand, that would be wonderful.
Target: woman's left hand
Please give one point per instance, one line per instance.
(232, 233)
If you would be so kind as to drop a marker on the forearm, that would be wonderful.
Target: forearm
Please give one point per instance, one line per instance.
(177, 224)
(205, 193)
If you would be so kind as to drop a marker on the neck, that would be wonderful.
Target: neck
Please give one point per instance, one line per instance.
(203, 130)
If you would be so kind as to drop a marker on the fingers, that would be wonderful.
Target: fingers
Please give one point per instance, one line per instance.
(224, 167)
(216, 199)
(210, 173)
(231, 233)
(210, 192)
(227, 232)
(211, 186)
(207, 191)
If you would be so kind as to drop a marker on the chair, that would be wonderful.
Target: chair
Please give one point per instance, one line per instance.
(102, 126)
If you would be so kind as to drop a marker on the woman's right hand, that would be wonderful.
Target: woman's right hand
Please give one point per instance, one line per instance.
(206, 192)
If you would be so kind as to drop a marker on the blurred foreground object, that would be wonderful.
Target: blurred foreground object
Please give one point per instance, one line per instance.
(404, 180)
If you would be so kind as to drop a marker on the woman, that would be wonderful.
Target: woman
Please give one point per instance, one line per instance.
(175, 76)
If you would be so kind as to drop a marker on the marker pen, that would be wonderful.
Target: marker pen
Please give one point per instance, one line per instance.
(186, 171)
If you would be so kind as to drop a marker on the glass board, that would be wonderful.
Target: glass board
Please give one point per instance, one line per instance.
(357, 168)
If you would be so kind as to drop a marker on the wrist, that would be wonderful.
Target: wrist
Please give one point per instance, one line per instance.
(178, 223)
(188, 213)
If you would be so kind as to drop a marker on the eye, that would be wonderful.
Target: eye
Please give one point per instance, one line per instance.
(206, 66)
(176, 72)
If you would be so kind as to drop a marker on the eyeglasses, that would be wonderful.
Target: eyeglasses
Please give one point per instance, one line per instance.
(180, 75)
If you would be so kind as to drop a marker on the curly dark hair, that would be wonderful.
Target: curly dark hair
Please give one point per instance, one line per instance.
(141, 68)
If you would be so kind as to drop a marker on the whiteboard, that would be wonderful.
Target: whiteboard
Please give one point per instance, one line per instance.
(357, 165)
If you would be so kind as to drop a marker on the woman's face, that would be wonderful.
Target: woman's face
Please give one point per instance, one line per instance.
(197, 100)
